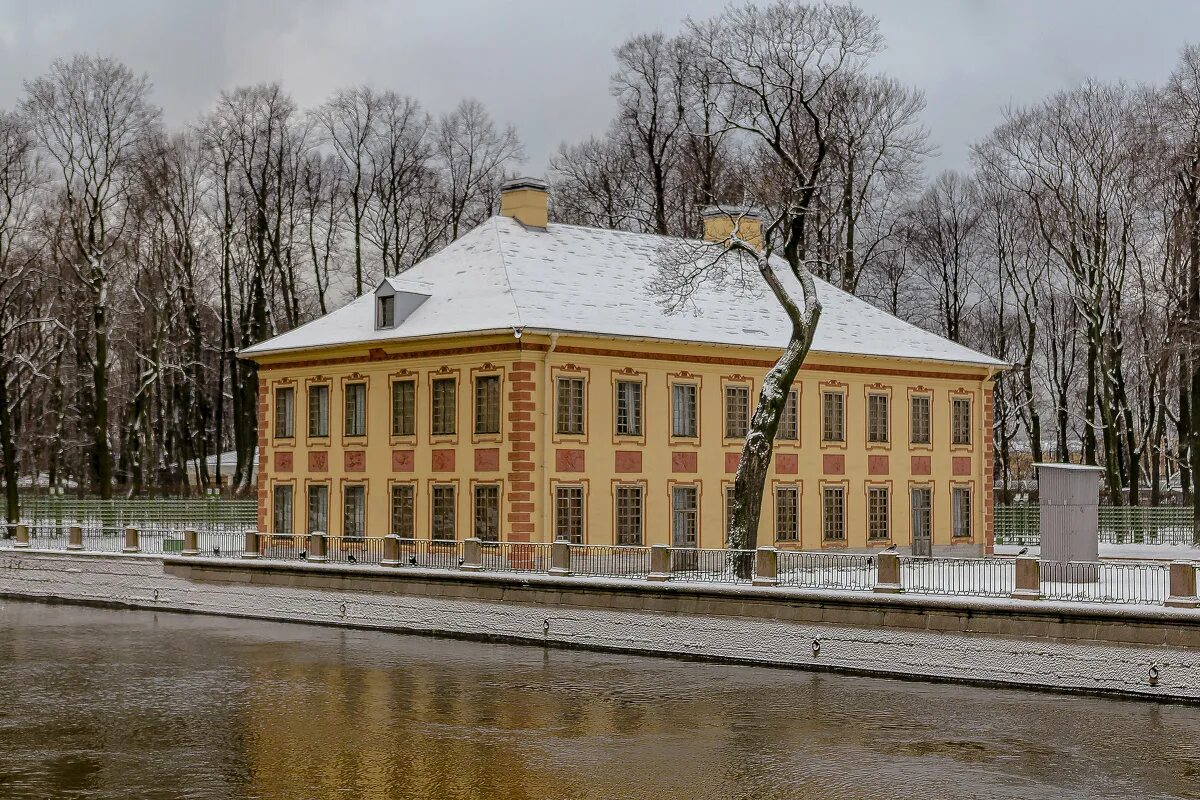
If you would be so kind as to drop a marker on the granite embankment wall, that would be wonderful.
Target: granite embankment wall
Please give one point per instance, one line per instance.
(1139, 651)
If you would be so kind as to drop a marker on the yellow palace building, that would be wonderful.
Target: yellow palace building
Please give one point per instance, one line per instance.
(525, 384)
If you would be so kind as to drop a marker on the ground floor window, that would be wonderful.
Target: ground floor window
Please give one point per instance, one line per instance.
(318, 509)
(568, 514)
(355, 507)
(960, 510)
(878, 513)
(629, 515)
(283, 510)
(685, 516)
(443, 512)
(403, 510)
(833, 513)
(487, 512)
(787, 513)
(922, 512)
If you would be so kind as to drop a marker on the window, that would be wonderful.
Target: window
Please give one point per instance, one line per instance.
(920, 424)
(283, 509)
(729, 493)
(354, 506)
(833, 417)
(683, 410)
(877, 418)
(789, 420)
(960, 510)
(568, 514)
(922, 512)
(356, 409)
(487, 512)
(404, 408)
(787, 513)
(629, 408)
(318, 411)
(878, 513)
(685, 516)
(387, 311)
(833, 513)
(737, 411)
(487, 404)
(318, 509)
(569, 408)
(443, 407)
(629, 515)
(443, 513)
(404, 516)
(960, 420)
(285, 408)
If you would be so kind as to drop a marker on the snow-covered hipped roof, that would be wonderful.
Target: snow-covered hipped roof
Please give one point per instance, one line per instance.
(573, 279)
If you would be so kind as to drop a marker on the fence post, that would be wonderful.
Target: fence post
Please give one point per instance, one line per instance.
(251, 548)
(1028, 585)
(1183, 585)
(191, 543)
(132, 541)
(887, 578)
(316, 547)
(22, 536)
(75, 537)
(766, 566)
(472, 555)
(560, 558)
(391, 551)
(660, 563)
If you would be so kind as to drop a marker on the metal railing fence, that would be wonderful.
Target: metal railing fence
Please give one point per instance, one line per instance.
(515, 557)
(979, 577)
(609, 561)
(1142, 583)
(827, 570)
(694, 565)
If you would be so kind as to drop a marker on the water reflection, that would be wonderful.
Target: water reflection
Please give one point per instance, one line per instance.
(108, 704)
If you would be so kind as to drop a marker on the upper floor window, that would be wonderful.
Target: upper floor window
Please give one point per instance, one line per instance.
(737, 411)
(789, 420)
(629, 515)
(920, 419)
(960, 420)
(833, 417)
(568, 514)
(487, 404)
(683, 410)
(356, 409)
(629, 408)
(487, 512)
(318, 410)
(877, 418)
(568, 415)
(404, 408)
(285, 412)
(386, 317)
(787, 513)
(444, 407)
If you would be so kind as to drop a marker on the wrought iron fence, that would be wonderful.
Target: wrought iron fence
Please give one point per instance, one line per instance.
(1020, 524)
(980, 577)
(694, 565)
(431, 553)
(827, 570)
(610, 562)
(1106, 582)
(515, 557)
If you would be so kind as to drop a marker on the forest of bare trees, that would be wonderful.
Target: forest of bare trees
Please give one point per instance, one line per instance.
(136, 259)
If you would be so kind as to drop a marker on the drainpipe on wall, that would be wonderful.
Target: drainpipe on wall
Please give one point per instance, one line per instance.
(548, 401)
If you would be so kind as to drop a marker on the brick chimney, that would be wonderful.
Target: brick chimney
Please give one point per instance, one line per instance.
(719, 223)
(527, 201)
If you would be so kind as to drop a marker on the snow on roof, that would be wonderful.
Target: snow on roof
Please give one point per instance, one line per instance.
(574, 279)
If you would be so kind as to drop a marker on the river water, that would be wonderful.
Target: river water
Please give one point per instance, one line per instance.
(136, 704)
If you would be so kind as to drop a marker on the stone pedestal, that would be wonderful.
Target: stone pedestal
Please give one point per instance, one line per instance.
(472, 555)
(251, 548)
(766, 567)
(560, 558)
(888, 578)
(660, 563)
(132, 541)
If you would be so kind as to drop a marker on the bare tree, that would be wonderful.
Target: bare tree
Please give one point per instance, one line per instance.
(473, 156)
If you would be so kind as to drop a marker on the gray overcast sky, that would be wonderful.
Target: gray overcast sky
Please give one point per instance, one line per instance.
(544, 66)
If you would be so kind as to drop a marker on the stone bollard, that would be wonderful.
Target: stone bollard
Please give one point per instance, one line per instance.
(472, 555)
(766, 566)
(251, 548)
(1028, 584)
(75, 538)
(887, 579)
(560, 558)
(660, 563)
(22, 536)
(132, 541)
(1183, 585)
(191, 543)
(317, 547)
(391, 551)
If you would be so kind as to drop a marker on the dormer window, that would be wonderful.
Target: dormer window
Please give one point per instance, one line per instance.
(386, 317)
(395, 301)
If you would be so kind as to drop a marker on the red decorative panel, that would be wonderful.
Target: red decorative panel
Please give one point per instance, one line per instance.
(833, 464)
(568, 460)
(787, 463)
(487, 459)
(403, 461)
(922, 465)
(683, 462)
(356, 461)
(283, 462)
(962, 465)
(443, 461)
(629, 461)
(731, 461)
(318, 461)
(877, 465)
